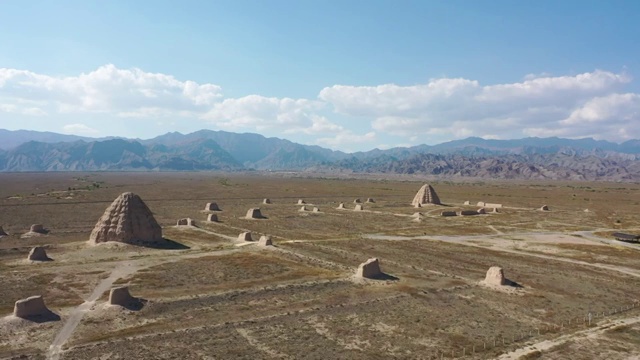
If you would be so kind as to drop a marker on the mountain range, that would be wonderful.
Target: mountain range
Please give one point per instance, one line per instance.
(529, 158)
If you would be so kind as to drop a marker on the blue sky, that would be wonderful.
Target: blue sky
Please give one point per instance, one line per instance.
(349, 75)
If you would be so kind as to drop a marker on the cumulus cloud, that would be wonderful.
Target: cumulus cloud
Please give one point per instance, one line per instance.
(107, 89)
(79, 129)
(456, 108)
(23, 110)
(262, 113)
(346, 138)
(595, 104)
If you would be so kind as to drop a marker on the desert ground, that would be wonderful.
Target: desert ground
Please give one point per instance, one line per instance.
(574, 291)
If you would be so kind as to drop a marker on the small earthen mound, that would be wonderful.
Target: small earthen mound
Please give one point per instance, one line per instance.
(212, 218)
(448, 213)
(495, 276)
(35, 230)
(265, 240)
(128, 220)
(357, 201)
(544, 208)
(482, 211)
(245, 236)
(120, 296)
(186, 222)
(266, 201)
(303, 208)
(480, 203)
(254, 213)
(369, 269)
(359, 207)
(212, 207)
(38, 253)
(32, 308)
(2, 233)
(586, 210)
(496, 280)
(301, 202)
(38, 228)
(370, 201)
(467, 202)
(341, 206)
(316, 209)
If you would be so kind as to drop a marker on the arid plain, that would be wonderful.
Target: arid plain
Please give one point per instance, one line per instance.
(215, 297)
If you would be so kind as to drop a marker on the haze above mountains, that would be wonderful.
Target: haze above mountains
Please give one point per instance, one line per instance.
(529, 158)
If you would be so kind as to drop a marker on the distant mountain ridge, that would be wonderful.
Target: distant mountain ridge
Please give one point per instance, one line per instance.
(529, 158)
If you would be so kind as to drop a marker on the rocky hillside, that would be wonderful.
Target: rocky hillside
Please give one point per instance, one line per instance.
(558, 166)
(531, 158)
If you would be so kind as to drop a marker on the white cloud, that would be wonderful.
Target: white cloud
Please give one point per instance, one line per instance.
(615, 116)
(265, 113)
(457, 108)
(592, 104)
(79, 129)
(347, 138)
(24, 110)
(107, 89)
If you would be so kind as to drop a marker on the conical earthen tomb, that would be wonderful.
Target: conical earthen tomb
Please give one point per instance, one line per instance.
(426, 195)
(127, 220)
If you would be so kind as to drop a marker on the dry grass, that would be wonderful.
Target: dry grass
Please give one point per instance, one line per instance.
(298, 300)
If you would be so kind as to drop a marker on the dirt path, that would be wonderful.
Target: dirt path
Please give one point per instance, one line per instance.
(548, 344)
(121, 270)
(498, 232)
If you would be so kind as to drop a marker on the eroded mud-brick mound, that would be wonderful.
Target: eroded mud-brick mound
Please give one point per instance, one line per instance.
(121, 296)
(316, 209)
(357, 201)
(340, 206)
(38, 253)
(186, 222)
(426, 195)
(2, 232)
(370, 200)
(265, 240)
(544, 208)
(495, 276)
(212, 218)
(211, 207)
(266, 201)
(245, 236)
(38, 228)
(301, 202)
(358, 207)
(33, 308)
(127, 220)
(254, 213)
(369, 269)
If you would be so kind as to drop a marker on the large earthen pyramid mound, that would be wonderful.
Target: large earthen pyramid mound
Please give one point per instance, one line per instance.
(127, 220)
(426, 195)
